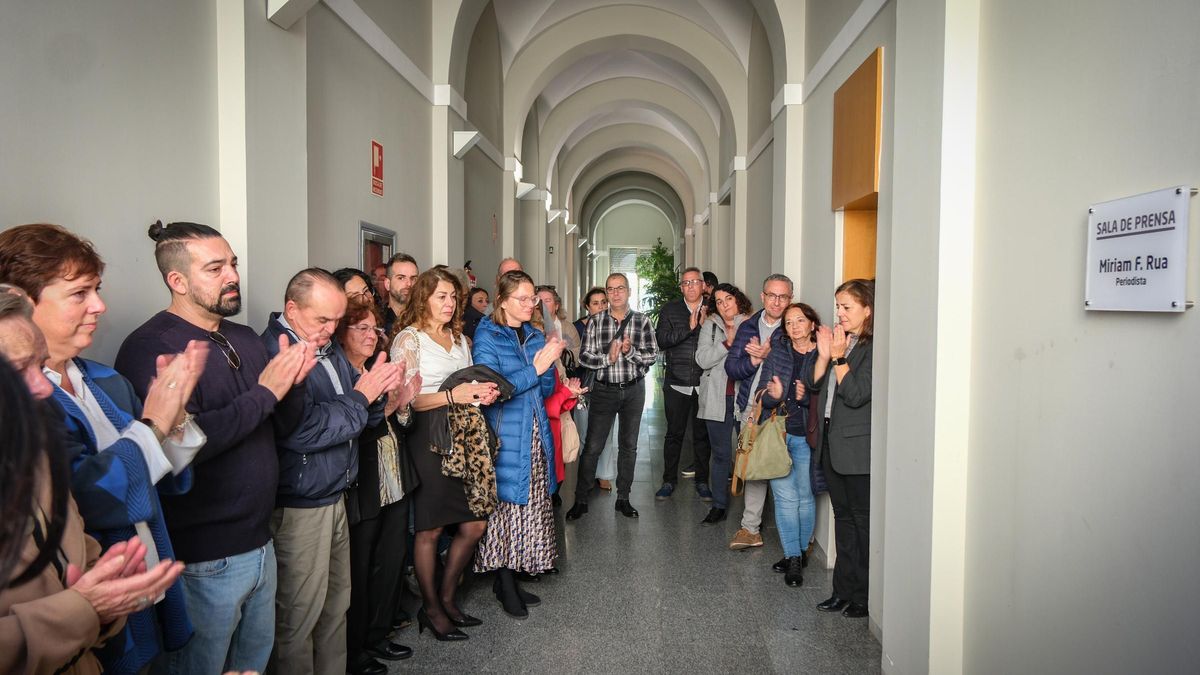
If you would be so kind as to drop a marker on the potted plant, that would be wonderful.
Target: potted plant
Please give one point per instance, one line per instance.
(657, 269)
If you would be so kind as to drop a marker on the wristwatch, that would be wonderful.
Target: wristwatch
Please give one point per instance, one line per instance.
(839, 361)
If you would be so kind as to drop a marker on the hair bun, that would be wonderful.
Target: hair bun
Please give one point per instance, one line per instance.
(156, 230)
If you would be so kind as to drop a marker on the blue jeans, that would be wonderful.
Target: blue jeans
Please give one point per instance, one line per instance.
(720, 439)
(232, 604)
(795, 508)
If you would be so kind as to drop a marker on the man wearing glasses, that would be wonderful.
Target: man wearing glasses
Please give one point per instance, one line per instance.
(619, 345)
(222, 526)
(677, 334)
(749, 350)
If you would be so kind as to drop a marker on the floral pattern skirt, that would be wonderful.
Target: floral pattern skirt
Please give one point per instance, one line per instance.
(520, 537)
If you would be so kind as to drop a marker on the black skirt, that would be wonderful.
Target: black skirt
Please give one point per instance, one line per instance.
(439, 500)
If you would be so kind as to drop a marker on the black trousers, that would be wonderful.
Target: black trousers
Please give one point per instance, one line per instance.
(851, 498)
(605, 405)
(680, 410)
(377, 550)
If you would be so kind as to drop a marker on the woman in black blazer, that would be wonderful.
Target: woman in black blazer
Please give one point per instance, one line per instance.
(845, 448)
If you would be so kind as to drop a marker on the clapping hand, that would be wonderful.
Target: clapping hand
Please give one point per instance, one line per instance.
(824, 342)
(698, 317)
(574, 385)
(383, 376)
(775, 388)
(799, 389)
(169, 391)
(545, 357)
(758, 351)
(839, 343)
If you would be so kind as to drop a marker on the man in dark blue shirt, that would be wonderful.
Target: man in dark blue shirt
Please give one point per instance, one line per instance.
(222, 526)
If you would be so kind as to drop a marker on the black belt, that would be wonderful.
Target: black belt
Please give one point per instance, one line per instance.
(621, 385)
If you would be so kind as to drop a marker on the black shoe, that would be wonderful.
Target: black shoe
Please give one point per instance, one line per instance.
(552, 570)
(466, 621)
(780, 566)
(833, 604)
(714, 516)
(528, 578)
(555, 500)
(423, 622)
(855, 610)
(391, 651)
(575, 512)
(625, 508)
(528, 599)
(508, 593)
(369, 666)
(794, 576)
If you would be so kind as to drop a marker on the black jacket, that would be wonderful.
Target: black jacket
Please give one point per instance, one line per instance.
(677, 340)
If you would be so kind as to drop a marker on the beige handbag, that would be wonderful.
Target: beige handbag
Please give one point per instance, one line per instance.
(570, 437)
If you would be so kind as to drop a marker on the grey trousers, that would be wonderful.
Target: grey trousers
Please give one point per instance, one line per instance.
(312, 548)
(756, 499)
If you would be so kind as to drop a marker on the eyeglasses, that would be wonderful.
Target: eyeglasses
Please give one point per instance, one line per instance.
(777, 298)
(691, 282)
(364, 293)
(527, 300)
(231, 355)
(364, 328)
(616, 289)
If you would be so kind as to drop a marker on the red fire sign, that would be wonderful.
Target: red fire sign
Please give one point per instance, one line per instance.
(377, 168)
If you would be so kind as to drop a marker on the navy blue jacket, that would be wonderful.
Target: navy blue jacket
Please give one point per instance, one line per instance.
(318, 460)
(497, 347)
(789, 365)
(738, 366)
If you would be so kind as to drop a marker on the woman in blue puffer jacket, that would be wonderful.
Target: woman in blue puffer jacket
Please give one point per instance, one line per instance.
(520, 532)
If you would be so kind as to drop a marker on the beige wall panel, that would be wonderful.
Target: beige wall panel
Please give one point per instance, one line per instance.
(108, 123)
(354, 96)
(1083, 462)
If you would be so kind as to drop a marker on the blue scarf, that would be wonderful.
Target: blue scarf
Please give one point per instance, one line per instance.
(126, 480)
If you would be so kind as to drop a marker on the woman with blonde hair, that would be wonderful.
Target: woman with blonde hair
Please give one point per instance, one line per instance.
(520, 534)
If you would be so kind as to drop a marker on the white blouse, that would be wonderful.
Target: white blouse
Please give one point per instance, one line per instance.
(422, 354)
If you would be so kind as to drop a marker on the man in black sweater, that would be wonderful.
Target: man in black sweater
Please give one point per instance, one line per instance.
(222, 526)
(678, 330)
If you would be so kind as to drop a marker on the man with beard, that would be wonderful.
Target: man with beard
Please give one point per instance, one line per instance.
(401, 274)
(222, 526)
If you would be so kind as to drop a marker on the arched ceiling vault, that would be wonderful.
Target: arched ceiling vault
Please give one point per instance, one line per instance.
(640, 136)
(604, 29)
(626, 160)
(631, 184)
(601, 98)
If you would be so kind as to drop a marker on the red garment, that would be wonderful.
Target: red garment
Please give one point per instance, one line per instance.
(561, 401)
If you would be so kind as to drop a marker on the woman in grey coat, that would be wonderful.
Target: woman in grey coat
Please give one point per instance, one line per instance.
(716, 391)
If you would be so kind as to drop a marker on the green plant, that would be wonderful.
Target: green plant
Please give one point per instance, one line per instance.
(657, 268)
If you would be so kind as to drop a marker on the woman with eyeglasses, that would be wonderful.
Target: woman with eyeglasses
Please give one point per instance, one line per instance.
(357, 284)
(123, 450)
(520, 533)
(788, 366)
(376, 505)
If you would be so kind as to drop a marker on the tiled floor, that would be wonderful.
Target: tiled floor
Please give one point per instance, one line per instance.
(657, 594)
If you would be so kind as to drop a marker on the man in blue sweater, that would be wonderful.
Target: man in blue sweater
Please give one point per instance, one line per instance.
(318, 461)
(222, 526)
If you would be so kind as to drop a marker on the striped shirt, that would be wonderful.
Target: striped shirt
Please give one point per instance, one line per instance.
(628, 367)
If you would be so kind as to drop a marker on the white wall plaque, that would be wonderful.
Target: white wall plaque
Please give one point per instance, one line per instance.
(1137, 252)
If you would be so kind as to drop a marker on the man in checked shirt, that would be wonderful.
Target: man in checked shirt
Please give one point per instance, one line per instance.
(619, 345)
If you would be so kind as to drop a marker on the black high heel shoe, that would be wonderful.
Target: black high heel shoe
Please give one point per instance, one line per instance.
(465, 621)
(423, 622)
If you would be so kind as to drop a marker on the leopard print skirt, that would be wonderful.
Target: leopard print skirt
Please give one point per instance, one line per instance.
(521, 536)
